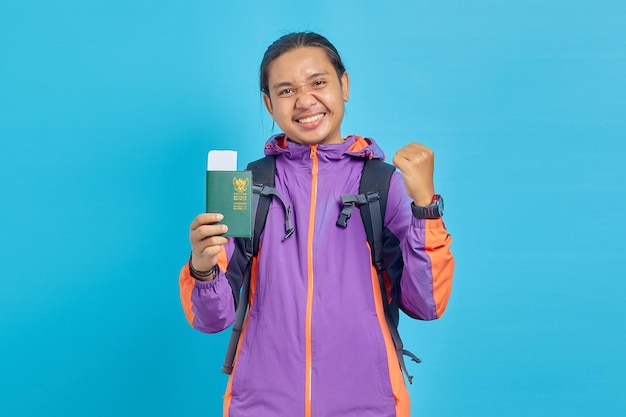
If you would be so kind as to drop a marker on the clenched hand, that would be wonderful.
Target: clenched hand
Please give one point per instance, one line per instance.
(416, 163)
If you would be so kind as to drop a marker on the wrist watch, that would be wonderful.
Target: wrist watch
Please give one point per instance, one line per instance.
(432, 211)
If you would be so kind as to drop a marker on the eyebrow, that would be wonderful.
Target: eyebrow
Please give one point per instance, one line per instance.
(288, 84)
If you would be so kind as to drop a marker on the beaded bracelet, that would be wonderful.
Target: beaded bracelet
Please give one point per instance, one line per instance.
(211, 273)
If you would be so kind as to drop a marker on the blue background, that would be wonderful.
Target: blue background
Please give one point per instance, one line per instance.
(107, 110)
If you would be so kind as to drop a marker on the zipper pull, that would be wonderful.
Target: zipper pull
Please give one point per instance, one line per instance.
(313, 156)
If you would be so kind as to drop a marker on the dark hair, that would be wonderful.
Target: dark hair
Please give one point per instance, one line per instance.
(298, 40)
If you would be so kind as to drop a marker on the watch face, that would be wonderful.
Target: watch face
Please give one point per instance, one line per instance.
(440, 205)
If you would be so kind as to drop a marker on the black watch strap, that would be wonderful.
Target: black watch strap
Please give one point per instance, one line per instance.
(432, 211)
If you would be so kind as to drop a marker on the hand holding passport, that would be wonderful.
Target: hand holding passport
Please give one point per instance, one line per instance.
(229, 192)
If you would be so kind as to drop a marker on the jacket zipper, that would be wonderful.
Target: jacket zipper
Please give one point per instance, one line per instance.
(309, 300)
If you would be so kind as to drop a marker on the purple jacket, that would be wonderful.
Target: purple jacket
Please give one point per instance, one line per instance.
(315, 342)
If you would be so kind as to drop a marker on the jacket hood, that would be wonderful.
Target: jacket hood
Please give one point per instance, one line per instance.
(355, 146)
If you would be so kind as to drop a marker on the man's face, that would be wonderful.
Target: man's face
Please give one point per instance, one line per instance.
(306, 97)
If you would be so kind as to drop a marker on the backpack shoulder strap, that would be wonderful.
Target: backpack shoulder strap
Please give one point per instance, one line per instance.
(374, 186)
(375, 179)
(263, 190)
(262, 176)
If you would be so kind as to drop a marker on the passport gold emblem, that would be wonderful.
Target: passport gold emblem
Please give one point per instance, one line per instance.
(240, 184)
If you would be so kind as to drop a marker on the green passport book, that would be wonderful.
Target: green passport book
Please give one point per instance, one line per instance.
(230, 193)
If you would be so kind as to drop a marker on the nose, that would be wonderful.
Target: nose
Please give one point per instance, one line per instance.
(305, 98)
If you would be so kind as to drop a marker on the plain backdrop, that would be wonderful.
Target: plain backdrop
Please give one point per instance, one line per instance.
(107, 110)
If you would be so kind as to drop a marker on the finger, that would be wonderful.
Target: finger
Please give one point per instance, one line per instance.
(206, 231)
(412, 156)
(205, 218)
(212, 251)
(405, 154)
(203, 261)
(414, 149)
(205, 250)
(400, 161)
(210, 246)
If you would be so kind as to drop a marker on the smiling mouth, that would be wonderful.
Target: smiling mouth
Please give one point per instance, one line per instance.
(311, 119)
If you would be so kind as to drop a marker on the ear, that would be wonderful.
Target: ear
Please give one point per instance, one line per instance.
(345, 86)
(268, 104)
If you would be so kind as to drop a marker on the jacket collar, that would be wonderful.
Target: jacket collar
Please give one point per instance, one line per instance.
(353, 145)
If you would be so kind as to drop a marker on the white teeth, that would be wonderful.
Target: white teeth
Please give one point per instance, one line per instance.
(311, 119)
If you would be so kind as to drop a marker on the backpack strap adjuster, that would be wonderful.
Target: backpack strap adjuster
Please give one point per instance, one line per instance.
(269, 192)
(350, 201)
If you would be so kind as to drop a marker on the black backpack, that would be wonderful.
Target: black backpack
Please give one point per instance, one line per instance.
(371, 200)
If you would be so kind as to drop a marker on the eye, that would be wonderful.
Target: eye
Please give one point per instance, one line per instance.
(319, 83)
(286, 92)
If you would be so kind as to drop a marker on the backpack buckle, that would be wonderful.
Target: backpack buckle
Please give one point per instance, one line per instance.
(349, 202)
(346, 213)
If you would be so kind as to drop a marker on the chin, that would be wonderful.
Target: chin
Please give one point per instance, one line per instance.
(307, 140)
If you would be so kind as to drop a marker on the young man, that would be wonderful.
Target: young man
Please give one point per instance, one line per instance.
(316, 342)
